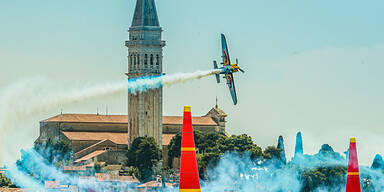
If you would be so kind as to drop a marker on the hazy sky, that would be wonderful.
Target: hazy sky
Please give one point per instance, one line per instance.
(311, 66)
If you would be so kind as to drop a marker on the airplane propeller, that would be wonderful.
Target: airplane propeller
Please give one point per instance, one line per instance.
(237, 63)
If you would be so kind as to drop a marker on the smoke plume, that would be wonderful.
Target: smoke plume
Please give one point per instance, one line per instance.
(23, 103)
(32, 171)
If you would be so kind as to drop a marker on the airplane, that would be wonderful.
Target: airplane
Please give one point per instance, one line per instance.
(227, 69)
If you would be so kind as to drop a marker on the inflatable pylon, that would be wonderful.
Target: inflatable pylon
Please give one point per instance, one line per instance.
(353, 176)
(189, 174)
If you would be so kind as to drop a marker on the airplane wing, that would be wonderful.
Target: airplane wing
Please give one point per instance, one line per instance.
(231, 86)
(226, 60)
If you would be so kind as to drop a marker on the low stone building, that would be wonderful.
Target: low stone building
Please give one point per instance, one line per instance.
(104, 138)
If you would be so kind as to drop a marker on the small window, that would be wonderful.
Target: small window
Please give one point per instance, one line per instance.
(157, 59)
(146, 60)
(151, 60)
(134, 58)
(138, 60)
(130, 60)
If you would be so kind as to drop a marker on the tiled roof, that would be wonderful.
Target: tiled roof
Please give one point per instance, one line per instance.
(6, 189)
(92, 164)
(118, 138)
(121, 119)
(88, 118)
(220, 111)
(110, 177)
(51, 184)
(150, 184)
(153, 184)
(178, 120)
(91, 155)
(166, 138)
(87, 178)
(88, 149)
(75, 168)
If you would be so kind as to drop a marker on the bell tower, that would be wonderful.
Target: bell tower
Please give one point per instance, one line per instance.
(145, 58)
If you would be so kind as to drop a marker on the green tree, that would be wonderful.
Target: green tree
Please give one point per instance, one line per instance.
(272, 152)
(206, 161)
(5, 182)
(211, 146)
(329, 177)
(174, 147)
(55, 152)
(144, 154)
(134, 171)
(209, 142)
(241, 143)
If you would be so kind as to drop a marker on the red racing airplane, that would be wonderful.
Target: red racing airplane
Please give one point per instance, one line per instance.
(227, 69)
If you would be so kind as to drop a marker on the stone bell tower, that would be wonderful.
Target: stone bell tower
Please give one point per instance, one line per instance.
(145, 58)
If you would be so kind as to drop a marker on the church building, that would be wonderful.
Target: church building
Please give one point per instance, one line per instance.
(106, 138)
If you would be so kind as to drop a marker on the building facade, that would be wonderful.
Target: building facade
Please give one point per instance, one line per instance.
(145, 58)
(104, 138)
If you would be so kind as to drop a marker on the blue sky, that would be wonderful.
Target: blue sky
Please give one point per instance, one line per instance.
(314, 66)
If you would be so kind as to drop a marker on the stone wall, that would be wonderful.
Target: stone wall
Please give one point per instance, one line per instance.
(80, 145)
(52, 130)
(99, 127)
(174, 129)
(102, 145)
(113, 157)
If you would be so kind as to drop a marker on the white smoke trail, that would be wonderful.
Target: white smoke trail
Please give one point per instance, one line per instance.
(145, 83)
(23, 103)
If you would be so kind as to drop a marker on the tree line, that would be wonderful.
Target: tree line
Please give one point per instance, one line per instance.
(144, 157)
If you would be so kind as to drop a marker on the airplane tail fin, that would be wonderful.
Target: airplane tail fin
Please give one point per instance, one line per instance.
(189, 174)
(217, 75)
(353, 177)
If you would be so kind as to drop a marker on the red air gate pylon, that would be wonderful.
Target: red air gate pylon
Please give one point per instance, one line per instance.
(353, 177)
(189, 175)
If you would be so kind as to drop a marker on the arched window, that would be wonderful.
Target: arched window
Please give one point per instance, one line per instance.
(151, 60)
(130, 60)
(134, 61)
(146, 60)
(157, 59)
(138, 60)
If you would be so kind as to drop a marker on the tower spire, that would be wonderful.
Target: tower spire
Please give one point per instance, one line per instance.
(217, 106)
(145, 14)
